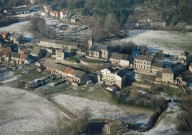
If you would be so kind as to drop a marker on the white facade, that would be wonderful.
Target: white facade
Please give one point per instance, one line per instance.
(124, 63)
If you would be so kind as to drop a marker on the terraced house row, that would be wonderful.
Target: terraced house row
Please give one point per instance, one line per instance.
(76, 76)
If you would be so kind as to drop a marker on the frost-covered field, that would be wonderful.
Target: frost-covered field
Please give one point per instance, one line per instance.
(168, 124)
(19, 27)
(24, 113)
(6, 76)
(169, 41)
(101, 109)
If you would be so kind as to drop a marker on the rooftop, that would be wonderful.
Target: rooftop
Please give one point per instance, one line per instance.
(142, 57)
(168, 71)
(98, 47)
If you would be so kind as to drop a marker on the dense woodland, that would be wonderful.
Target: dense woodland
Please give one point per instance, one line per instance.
(174, 11)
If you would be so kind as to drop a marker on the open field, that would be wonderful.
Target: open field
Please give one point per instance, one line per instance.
(168, 123)
(24, 113)
(100, 109)
(18, 28)
(171, 42)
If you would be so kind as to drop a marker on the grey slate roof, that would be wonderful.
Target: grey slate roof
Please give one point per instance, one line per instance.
(98, 47)
(159, 75)
(121, 56)
(110, 69)
(5, 46)
(121, 73)
(16, 35)
(51, 65)
(157, 64)
(168, 71)
(21, 47)
(78, 73)
(15, 54)
(142, 57)
(36, 51)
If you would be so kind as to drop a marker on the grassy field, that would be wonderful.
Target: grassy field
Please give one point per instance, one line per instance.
(29, 76)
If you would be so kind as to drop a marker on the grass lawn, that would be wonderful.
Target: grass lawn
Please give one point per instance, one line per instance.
(29, 76)
(167, 89)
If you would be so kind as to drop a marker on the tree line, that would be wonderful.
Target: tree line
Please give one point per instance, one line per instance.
(38, 24)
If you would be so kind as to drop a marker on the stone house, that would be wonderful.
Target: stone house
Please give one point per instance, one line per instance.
(157, 66)
(5, 35)
(23, 50)
(142, 62)
(63, 14)
(158, 77)
(98, 50)
(55, 44)
(60, 54)
(50, 50)
(5, 49)
(16, 38)
(80, 77)
(110, 76)
(185, 57)
(76, 76)
(121, 59)
(36, 54)
(20, 59)
(115, 128)
(168, 76)
(74, 20)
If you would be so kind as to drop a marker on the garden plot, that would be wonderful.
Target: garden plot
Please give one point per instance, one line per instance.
(99, 109)
(168, 124)
(169, 41)
(24, 113)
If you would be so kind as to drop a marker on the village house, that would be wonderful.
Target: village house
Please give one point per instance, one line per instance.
(20, 59)
(187, 78)
(185, 57)
(5, 35)
(22, 50)
(80, 77)
(110, 76)
(157, 66)
(98, 50)
(57, 44)
(64, 14)
(121, 59)
(74, 20)
(5, 49)
(158, 77)
(115, 128)
(72, 75)
(143, 63)
(16, 38)
(60, 54)
(54, 13)
(36, 54)
(50, 50)
(168, 76)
